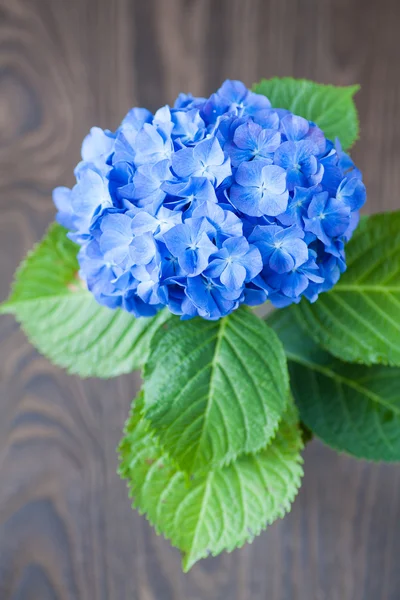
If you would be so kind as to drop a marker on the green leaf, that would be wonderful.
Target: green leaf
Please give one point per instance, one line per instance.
(331, 107)
(353, 408)
(359, 319)
(64, 321)
(222, 509)
(215, 389)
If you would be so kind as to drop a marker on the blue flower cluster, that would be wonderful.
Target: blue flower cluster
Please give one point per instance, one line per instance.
(211, 204)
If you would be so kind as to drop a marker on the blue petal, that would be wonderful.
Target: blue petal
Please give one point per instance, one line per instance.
(209, 152)
(216, 267)
(274, 178)
(352, 191)
(98, 144)
(252, 262)
(273, 204)
(233, 276)
(62, 200)
(250, 173)
(294, 284)
(136, 118)
(184, 162)
(143, 222)
(337, 217)
(254, 296)
(116, 237)
(246, 199)
(142, 249)
(177, 239)
(294, 127)
(236, 246)
(281, 261)
(317, 205)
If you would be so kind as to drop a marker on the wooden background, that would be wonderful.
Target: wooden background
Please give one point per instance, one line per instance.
(66, 528)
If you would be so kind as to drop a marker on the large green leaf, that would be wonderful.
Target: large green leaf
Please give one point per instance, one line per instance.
(359, 319)
(215, 389)
(63, 320)
(331, 107)
(351, 407)
(222, 509)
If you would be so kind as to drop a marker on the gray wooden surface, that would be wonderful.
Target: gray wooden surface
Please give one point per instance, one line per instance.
(66, 528)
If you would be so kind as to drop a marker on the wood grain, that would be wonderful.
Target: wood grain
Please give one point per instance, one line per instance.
(66, 528)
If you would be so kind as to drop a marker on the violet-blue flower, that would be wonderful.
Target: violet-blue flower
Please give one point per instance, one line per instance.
(260, 189)
(327, 217)
(282, 249)
(210, 204)
(191, 244)
(251, 141)
(206, 159)
(236, 262)
(300, 162)
(212, 300)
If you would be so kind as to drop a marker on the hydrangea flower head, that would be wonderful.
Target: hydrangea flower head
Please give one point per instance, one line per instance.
(210, 204)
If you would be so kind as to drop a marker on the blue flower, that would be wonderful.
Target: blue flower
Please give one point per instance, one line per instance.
(120, 247)
(116, 238)
(300, 162)
(327, 217)
(288, 287)
(148, 288)
(169, 264)
(297, 206)
(211, 299)
(124, 147)
(236, 262)
(345, 162)
(268, 119)
(282, 249)
(175, 297)
(152, 145)
(206, 159)
(211, 204)
(189, 127)
(146, 187)
(99, 276)
(331, 267)
(294, 128)
(97, 147)
(352, 192)
(260, 189)
(87, 200)
(238, 98)
(162, 221)
(191, 244)
(354, 221)
(188, 101)
(136, 118)
(62, 199)
(225, 222)
(214, 109)
(132, 303)
(252, 141)
(189, 193)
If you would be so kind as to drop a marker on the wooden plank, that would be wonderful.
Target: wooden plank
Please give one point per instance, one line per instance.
(66, 528)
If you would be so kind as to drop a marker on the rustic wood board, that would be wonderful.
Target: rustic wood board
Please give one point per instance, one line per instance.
(66, 528)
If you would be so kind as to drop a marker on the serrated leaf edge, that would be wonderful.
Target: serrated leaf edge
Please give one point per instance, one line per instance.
(231, 456)
(136, 416)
